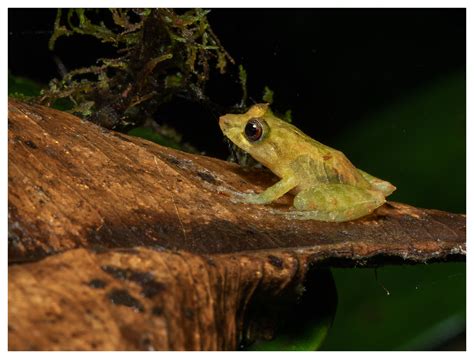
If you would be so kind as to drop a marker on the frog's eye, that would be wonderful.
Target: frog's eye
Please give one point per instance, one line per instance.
(254, 130)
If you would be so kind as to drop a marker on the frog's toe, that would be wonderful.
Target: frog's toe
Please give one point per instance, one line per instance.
(250, 198)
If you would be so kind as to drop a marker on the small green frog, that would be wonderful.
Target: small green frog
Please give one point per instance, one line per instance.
(328, 186)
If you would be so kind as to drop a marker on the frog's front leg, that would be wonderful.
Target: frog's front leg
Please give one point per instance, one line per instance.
(271, 193)
(335, 203)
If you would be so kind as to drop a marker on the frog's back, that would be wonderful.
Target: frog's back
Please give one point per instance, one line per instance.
(341, 170)
(313, 162)
(331, 166)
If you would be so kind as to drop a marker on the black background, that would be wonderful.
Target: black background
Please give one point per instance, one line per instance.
(329, 66)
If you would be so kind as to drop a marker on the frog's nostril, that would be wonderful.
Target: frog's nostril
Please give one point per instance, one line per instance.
(223, 121)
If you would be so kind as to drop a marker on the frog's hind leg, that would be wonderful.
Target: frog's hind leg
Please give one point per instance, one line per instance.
(335, 203)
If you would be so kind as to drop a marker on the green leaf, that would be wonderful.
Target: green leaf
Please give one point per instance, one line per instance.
(22, 87)
(426, 307)
(418, 143)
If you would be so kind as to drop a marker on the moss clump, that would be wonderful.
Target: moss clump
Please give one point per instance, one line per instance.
(160, 54)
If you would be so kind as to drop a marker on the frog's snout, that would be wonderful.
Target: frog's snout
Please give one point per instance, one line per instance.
(222, 121)
(231, 127)
(225, 123)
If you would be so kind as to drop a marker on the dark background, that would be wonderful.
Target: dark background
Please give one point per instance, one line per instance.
(329, 66)
(386, 86)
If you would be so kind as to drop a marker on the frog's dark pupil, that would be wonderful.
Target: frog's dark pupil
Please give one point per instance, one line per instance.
(253, 130)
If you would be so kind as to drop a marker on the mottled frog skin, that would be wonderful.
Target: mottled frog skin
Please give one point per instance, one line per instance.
(328, 186)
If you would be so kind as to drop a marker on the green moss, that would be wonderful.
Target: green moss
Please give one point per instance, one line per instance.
(267, 95)
(160, 52)
(243, 83)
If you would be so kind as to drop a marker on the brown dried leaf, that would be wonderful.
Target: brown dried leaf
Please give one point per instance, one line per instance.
(92, 197)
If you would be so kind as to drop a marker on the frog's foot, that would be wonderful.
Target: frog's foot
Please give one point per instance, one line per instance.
(251, 198)
(379, 185)
(243, 197)
(335, 203)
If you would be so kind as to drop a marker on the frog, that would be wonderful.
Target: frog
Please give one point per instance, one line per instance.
(326, 185)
